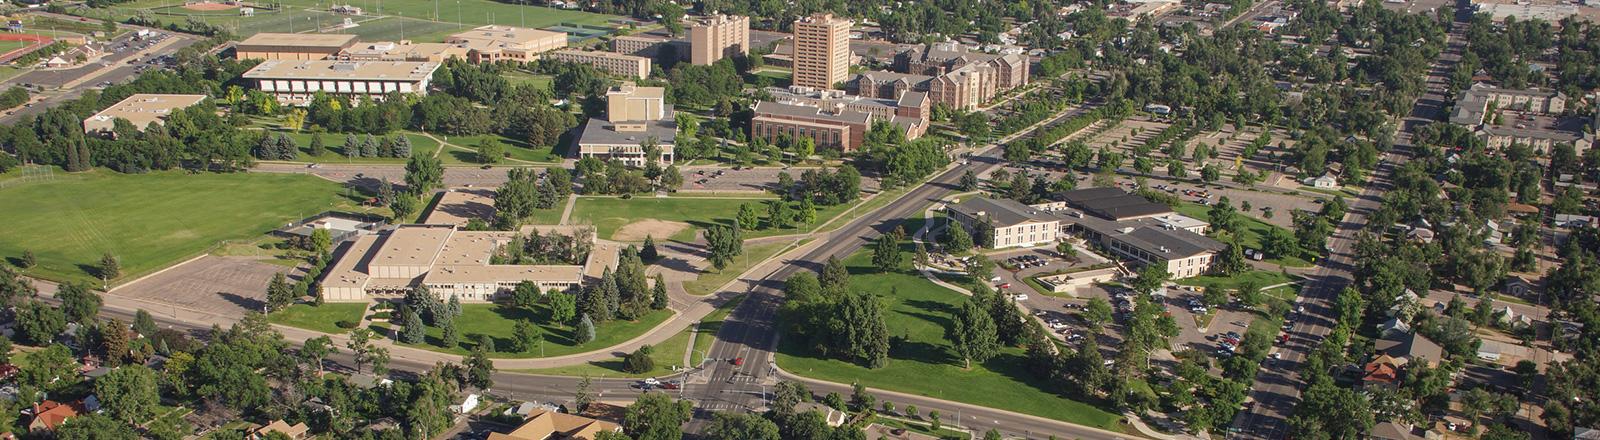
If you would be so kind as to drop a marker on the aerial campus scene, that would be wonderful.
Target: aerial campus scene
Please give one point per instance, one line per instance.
(758, 220)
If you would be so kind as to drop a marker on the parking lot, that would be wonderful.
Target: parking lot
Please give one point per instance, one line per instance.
(226, 286)
(124, 58)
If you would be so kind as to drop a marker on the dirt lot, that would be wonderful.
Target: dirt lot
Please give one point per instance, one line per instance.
(226, 286)
(637, 231)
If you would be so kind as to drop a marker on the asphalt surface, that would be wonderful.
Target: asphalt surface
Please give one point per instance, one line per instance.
(1277, 390)
(112, 68)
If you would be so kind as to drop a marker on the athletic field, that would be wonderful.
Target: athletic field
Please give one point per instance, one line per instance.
(422, 21)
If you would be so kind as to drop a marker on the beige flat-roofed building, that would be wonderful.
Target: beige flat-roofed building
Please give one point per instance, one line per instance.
(490, 43)
(608, 62)
(638, 45)
(718, 36)
(295, 82)
(141, 110)
(634, 115)
(451, 262)
(282, 46)
(821, 51)
(403, 51)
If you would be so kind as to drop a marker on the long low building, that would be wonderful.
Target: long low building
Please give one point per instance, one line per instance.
(141, 110)
(834, 120)
(285, 46)
(450, 262)
(1124, 224)
(491, 43)
(608, 62)
(295, 82)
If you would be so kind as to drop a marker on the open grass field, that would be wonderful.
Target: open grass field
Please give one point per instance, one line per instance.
(10, 45)
(517, 77)
(497, 321)
(1254, 230)
(1261, 278)
(708, 282)
(608, 214)
(421, 21)
(667, 355)
(148, 221)
(319, 318)
(463, 150)
(925, 364)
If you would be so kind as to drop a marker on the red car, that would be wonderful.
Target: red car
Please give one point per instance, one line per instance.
(738, 361)
(1005, 286)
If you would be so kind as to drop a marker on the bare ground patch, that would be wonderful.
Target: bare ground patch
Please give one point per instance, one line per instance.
(638, 230)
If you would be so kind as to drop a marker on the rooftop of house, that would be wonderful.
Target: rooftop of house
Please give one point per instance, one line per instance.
(544, 424)
(1412, 347)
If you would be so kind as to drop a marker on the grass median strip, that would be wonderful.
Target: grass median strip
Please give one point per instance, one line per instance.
(709, 281)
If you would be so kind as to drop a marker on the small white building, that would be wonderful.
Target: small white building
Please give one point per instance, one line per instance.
(467, 405)
(1326, 181)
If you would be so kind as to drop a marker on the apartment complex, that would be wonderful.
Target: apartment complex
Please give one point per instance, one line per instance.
(295, 82)
(634, 116)
(835, 120)
(450, 262)
(821, 51)
(1124, 224)
(718, 36)
(1532, 117)
(952, 76)
(141, 109)
(640, 45)
(491, 43)
(609, 62)
(279, 46)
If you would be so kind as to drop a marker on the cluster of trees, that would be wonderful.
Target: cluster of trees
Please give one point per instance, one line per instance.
(13, 97)
(823, 187)
(833, 320)
(527, 190)
(551, 247)
(625, 294)
(902, 163)
(705, 86)
(780, 214)
(613, 177)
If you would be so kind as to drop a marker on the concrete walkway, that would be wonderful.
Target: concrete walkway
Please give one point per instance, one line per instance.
(566, 213)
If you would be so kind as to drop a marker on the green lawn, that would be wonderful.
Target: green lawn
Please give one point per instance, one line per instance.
(1254, 229)
(919, 311)
(521, 77)
(414, 20)
(319, 318)
(149, 220)
(1262, 279)
(667, 354)
(608, 214)
(497, 321)
(465, 151)
(708, 282)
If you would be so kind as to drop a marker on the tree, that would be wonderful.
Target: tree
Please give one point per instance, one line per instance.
(1097, 313)
(525, 335)
(1279, 243)
(655, 416)
(279, 293)
(724, 243)
(648, 252)
(786, 395)
(747, 218)
(403, 206)
(973, 333)
(95, 427)
(956, 239)
(980, 268)
(526, 295)
(563, 307)
(969, 181)
(886, 254)
(480, 370)
(316, 350)
(741, 426)
(113, 336)
(639, 362)
(658, 293)
(27, 260)
(672, 178)
(109, 267)
(318, 148)
(450, 336)
(128, 393)
(920, 258)
(490, 151)
(423, 174)
(38, 324)
(835, 277)
(361, 348)
(47, 370)
(585, 330)
(1231, 261)
(412, 331)
(79, 303)
(860, 400)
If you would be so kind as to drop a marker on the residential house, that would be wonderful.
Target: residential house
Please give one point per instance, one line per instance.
(544, 424)
(298, 431)
(50, 414)
(1411, 347)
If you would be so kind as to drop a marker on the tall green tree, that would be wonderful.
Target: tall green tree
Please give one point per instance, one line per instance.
(128, 393)
(886, 254)
(655, 416)
(973, 333)
(79, 303)
(424, 173)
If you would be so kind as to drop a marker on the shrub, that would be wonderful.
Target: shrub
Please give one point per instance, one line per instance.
(346, 324)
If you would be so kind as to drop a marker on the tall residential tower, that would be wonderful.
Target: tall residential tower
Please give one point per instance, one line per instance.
(821, 51)
(718, 36)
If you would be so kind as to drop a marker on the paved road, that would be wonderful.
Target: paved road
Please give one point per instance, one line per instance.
(1277, 390)
(113, 67)
(750, 335)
